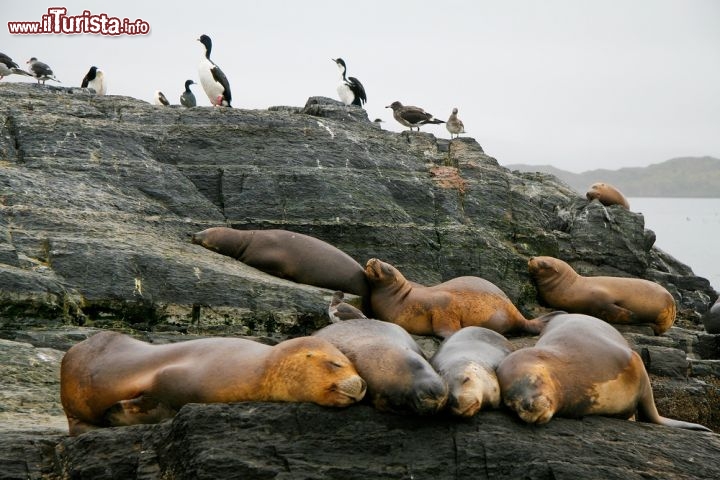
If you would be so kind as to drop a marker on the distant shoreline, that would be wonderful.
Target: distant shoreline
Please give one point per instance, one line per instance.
(687, 177)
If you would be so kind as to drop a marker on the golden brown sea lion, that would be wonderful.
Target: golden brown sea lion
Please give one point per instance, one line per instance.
(445, 308)
(579, 366)
(399, 378)
(614, 299)
(467, 361)
(111, 379)
(290, 255)
(607, 195)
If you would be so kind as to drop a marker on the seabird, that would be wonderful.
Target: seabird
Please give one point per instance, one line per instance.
(350, 90)
(8, 67)
(95, 79)
(41, 71)
(160, 99)
(212, 79)
(412, 116)
(187, 99)
(454, 125)
(339, 310)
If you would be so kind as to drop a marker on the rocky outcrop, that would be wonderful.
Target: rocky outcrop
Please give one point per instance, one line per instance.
(261, 441)
(99, 194)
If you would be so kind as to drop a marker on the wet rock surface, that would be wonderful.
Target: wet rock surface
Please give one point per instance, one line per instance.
(99, 194)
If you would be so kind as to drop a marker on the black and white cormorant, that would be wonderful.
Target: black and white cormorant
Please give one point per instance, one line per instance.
(187, 99)
(212, 79)
(160, 99)
(95, 79)
(41, 71)
(8, 67)
(350, 90)
(412, 117)
(454, 125)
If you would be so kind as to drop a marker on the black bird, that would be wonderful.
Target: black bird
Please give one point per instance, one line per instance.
(338, 310)
(412, 117)
(95, 79)
(41, 71)
(160, 99)
(212, 79)
(187, 99)
(8, 67)
(350, 90)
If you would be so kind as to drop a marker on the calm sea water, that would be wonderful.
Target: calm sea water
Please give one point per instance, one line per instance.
(686, 228)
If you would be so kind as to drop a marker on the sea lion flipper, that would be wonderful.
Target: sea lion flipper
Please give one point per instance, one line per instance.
(141, 409)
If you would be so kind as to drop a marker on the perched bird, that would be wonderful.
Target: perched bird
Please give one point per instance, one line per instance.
(160, 99)
(412, 116)
(350, 90)
(212, 79)
(95, 79)
(8, 67)
(454, 125)
(339, 310)
(187, 99)
(41, 71)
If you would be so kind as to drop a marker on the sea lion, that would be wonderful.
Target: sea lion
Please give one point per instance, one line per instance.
(290, 255)
(579, 366)
(711, 319)
(467, 360)
(111, 379)
(445, 308)
(607, 195)
(399, 377)
(339, 310)
(613, 299)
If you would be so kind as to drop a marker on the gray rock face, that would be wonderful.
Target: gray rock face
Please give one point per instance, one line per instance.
(262, 441)
(98, 196)
(100, 193)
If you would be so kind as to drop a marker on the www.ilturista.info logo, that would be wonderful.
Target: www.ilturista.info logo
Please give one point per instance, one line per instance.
(58, 22)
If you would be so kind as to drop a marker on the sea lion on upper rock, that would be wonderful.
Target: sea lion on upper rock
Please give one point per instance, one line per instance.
(399, 378)
(445, 308)
(711, 319)
(607, 195)
(613, 299)
(579, 366)
(467, 360)
(111, 379)
(290, 255)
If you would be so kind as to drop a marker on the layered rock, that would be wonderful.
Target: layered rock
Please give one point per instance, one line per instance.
(99, 194)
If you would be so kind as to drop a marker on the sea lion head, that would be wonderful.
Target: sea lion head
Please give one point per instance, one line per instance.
(595, 191)
(542, 267)
(227, 241)
(528, 387)
(311, 369)
(381, 273)
(408, 385)
(472, 388)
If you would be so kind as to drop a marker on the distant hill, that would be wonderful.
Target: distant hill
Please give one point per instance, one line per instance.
(679, 177)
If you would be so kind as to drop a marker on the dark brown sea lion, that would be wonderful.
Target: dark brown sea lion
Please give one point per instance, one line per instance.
(711, 318)
(445, 308)
(613, 299)
(290, 255)
(579, 366)
(399, 378)
(467, 360)
(607, 195)
(112, 379)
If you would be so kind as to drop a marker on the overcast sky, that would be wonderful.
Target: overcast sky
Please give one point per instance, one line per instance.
(573, 83)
